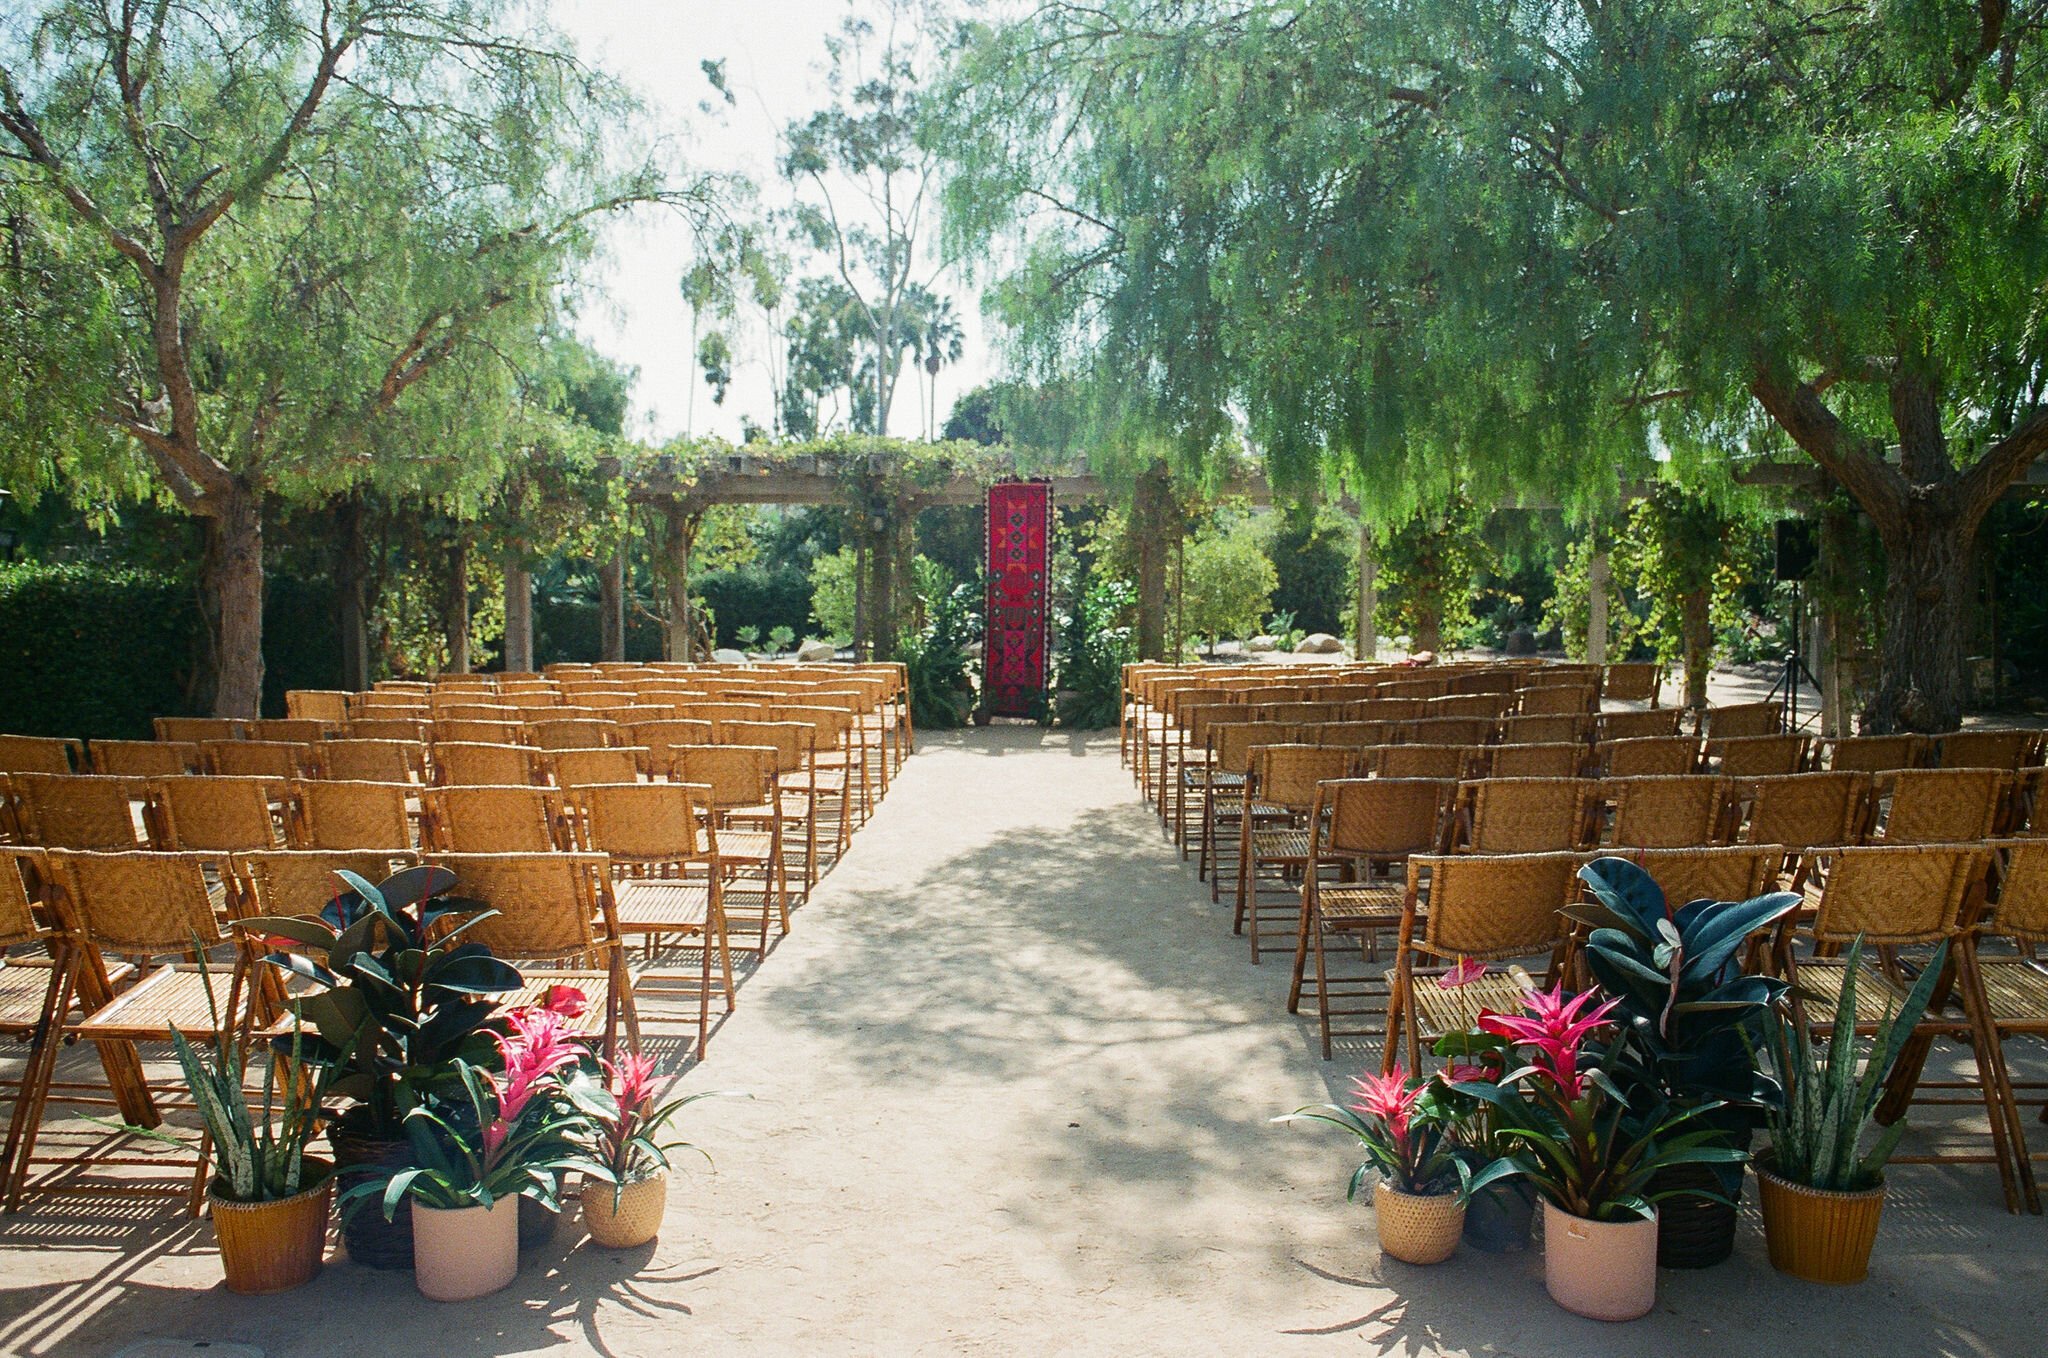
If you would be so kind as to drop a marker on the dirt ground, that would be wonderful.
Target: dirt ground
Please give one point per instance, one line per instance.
(1011, 1082)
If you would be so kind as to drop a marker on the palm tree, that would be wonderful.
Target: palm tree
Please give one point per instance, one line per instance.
(939, 340)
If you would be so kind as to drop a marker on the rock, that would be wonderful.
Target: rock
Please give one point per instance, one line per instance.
(1553, 640)
(1521, 641)
(815, 652)
(1261, 644)
(1318, 643)
(725, 655)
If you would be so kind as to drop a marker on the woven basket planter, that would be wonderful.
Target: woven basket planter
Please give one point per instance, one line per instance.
(1692, 1232)
(1813, 1234)
(274, 1246)
(631, 1218)
(369, 1239)
(1417, 1228)
(1603, 1270)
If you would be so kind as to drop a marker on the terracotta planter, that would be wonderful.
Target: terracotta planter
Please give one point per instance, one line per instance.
(1813, 1234)
(636, 1217)
(369, 1239)
(465, 1252)
(274, 1246)
(1417, 1228)
(1500, 1217)
(1603, 1270)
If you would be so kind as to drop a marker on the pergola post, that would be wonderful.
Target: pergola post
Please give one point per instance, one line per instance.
(611, 606)
(455, 606)
(682, 519)
(1368, 633)
(518, 615)
(1599, 572)
(1152, 523)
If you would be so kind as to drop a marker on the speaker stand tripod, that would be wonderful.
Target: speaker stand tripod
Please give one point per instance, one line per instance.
(1785, 692)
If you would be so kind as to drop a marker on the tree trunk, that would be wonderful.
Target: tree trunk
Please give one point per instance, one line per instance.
(682, 537)
(1368, 634)
(1151, 508)
(611, 606)
(1927, 597)
(1598, 573)
(518, 616)
(455, 607)
(231, 573)
(1429, 626)
(1696, 631)
(351, 592)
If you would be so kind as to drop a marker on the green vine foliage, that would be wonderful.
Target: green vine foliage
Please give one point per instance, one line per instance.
(1680, 554)
(1095, 643)
(1426, 571)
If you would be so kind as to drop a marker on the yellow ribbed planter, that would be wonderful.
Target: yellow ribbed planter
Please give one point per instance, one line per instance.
(1817, 1235)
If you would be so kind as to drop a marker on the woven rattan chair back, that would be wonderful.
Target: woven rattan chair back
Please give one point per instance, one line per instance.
(1722, 873)
(218, 814)
(734, 776)
(1807, 810)
(75, 810)
(1560, 760)
(1743, 719)
(1423, 761)
(1681, 812)
(609, 764)
(302, 882)
(414, 730)
(326, 705)
(586, 734)
(1496, 906)
(641, 823)
(447, 730)
(1633, 682)
(138, 904)
(1287, 775)
(546, 904)
(792, 741)
(488, 819)
(18, 923)
(145, 758)
(1447, 731)
(1231, 744)
(471, 710)
(1991, 748)
(1896, 893)
(464, 764)
(1945, 806)
(2022, 913)
(371, 761)
(1758, 756)
(1354, 735)
(1484, 706)
(1663, 721)
(1545, 730)
(1523, 815)
(1552, 700)
(39, 754)
(257, 758)
(1648, 756)
(198, 730)
(833, 725)
(1877, 754)
(290, 730)
(336, 814)
(1385, 818)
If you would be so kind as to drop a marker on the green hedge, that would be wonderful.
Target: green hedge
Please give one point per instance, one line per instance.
(754, 595)
(94, 651)
(568, 631)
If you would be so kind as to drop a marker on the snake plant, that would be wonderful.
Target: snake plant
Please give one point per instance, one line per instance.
(1831, 1097)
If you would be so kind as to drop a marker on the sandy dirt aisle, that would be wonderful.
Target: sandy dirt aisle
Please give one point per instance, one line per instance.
(1011, 1080)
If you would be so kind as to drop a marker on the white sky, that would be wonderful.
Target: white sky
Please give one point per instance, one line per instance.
(775, 57)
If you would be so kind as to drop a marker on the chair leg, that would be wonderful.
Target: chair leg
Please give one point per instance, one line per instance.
(1308, 911)
(1322, 988)
(26, 1116)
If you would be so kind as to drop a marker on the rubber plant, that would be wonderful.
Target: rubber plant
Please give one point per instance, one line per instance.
(394, 995)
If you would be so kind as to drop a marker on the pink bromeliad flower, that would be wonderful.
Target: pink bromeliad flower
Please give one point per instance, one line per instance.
(1462, 1072)
(1556, 1027)
(566, 1000)
(539, 1046)
(1388, 1097)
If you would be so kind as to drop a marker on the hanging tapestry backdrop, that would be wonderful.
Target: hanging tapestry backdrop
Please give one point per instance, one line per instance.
(1019, 550)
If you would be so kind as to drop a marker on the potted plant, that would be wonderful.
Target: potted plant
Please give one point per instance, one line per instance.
(1821, 1198)
(391, 997)
(474, 1157)
(625, 1210)
(1499, 1216)
(1695, 1021)
(1591, 1155)
(1418, 1204)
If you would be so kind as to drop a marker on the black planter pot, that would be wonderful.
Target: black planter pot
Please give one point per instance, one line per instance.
(1693, 1232)
(371, 1240)
(537, 1221)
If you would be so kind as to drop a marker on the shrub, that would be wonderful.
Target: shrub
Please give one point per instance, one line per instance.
(1227, 586)
(832, 595)
(1094, 645)
(95, 651)
(755, 596)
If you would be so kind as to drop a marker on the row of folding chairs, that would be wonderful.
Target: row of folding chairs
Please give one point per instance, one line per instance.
(103, 948)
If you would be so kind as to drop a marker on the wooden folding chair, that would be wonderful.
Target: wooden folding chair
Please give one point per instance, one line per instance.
(1634, 725)
(1742, 719)
(1877, 754)
(371, 761)
(75, 810)
(605, 764)
(1943, 806)
(199, 730)
(1522, 815)
(144, 905)
(1479, 908)
(336, 815)
(794, 743)
(220, 814)
(466, 764)
(35, 972)
(650, 834)
(40, 754)
(1563, 760)
(1361, 827)
(739, 779)
(554, 910)
(1284, 787)
(1647, 756)
(1757, 756)
(1805, 812)
(1660, 812)
(1634, 682)
(483, 819)
(2014, 985)
(140, 760)
(1424, 761)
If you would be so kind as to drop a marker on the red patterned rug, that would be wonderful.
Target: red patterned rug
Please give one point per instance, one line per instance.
(1019, 546)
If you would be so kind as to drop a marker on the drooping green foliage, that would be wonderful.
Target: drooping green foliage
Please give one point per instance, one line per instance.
(1227, 583)
(1510, 250)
